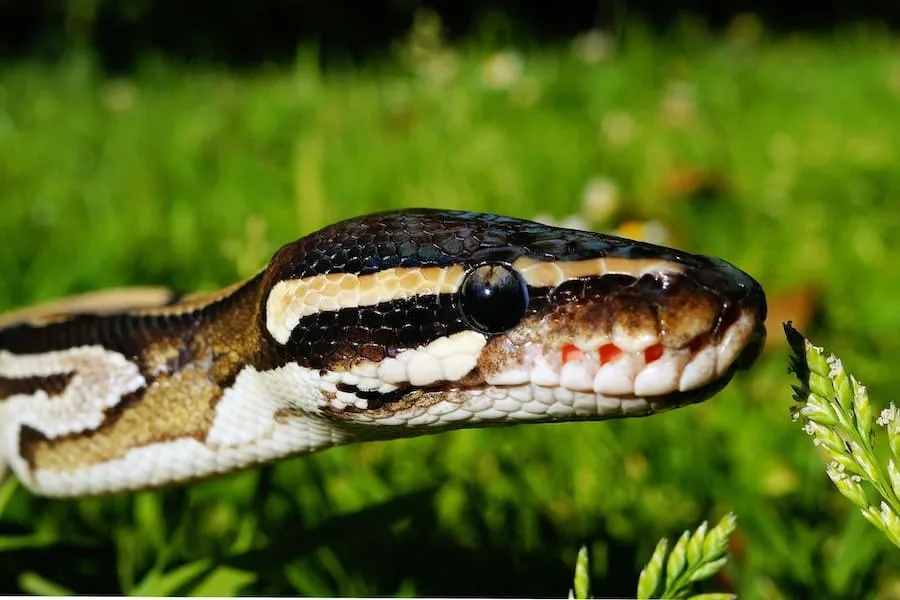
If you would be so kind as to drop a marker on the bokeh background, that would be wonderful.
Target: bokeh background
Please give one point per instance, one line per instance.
(181, 143)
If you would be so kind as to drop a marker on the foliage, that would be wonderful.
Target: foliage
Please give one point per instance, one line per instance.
(836, 412)
(696, 556)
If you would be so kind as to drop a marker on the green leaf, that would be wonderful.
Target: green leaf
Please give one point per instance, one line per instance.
(651, 575)
(707, 569)
(851, 456)
(582, 582)
(6, 490)
(296, 544)
(695, 557)
(223, 581)
(677, 560)
(156, 583)
(36, 585)
(32, 540)
(695, 545)
(863, 409)
(149, 520)
(716, 543)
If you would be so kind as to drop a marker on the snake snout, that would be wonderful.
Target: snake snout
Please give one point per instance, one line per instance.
(736, 286)
(743, 299)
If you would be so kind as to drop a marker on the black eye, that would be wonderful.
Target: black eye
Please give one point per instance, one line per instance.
(493, 298)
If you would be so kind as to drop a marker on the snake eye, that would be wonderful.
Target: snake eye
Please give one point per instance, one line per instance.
(493, 298)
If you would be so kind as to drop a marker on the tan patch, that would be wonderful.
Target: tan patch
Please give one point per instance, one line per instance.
(193, 302)
(159, 357)
(538, 273)
(171, 408)
(93, 303)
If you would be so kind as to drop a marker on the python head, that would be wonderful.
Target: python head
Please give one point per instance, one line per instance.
(416, 321)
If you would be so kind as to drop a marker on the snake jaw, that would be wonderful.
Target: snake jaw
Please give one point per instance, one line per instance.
(537, 381)
(605, 368)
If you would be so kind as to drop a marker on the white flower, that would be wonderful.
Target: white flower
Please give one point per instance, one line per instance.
(679, 104)
(888, 415)
(599, 199)
(835, 366)
(439, 69)
(592, 46)
(526, 92)
(574, 222)
(618, 128)
(501, 70)
(119, 95)
(835, 471)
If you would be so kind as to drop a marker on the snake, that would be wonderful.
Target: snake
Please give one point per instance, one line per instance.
(379, 327)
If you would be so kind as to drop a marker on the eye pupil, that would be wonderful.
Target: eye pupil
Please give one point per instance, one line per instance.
(493, 298)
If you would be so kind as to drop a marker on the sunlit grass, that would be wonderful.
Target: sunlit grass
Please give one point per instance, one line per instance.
(781, 156)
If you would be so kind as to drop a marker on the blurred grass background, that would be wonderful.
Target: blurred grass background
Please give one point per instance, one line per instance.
(779, 153)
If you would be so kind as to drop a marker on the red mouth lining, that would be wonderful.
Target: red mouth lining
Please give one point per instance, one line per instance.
(607, 353)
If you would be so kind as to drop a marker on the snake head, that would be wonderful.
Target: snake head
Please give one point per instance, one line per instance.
(416, 321)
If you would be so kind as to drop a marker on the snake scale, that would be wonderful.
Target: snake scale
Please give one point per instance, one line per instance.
(379, 327)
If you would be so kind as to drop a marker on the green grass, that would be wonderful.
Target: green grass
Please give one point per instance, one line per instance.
(192, 177)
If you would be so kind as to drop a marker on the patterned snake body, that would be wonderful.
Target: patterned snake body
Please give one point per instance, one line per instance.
(384, 326)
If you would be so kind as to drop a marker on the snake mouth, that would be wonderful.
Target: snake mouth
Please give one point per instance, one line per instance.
(645, 368)
(577, 389)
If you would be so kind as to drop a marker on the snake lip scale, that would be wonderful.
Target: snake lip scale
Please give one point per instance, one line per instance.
(379, 327)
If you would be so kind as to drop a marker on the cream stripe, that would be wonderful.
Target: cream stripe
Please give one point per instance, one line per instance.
(539, 273)
(292, 299)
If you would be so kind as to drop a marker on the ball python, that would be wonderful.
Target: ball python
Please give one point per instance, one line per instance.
(379, 327)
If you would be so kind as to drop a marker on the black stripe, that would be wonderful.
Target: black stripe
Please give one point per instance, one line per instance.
(333, 339)
(125, 333)
(325, 339)
(120, 333)
(53, 385)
